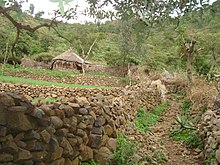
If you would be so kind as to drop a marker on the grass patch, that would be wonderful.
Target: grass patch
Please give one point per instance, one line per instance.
(56, 73)
(18, 80)
(188, 136)
(44, 100)
(146, 119)
(125, 151)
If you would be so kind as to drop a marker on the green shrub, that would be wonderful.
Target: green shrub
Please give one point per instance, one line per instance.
(146, 119)
(125, 151)
(92, 162)
(188, 136)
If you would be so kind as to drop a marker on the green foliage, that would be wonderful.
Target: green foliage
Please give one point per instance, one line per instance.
(92, 162)
(146, 119)
(186, 131)
(125, 151)
(159, 157)
(43, 57)
(188, 136)
(210, 159)
(120, 41)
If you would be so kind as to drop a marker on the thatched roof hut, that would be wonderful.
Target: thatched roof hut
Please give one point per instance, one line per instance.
(69, 56)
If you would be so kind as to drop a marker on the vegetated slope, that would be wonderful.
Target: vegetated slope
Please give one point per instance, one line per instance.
(157, 49)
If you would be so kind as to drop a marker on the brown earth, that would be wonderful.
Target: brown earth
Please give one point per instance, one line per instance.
(176, 153)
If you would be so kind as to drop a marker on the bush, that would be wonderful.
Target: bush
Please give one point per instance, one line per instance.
(125, 151)
(43, 57)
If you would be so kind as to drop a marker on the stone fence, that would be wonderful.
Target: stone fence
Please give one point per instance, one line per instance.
(82, 125)
(210, 133)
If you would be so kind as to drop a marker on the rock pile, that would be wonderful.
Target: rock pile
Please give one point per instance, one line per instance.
(210, 132)
(81, 126)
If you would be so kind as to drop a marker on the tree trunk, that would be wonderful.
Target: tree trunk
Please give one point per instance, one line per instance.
(214, 59)
(13, 47)
(189, 67)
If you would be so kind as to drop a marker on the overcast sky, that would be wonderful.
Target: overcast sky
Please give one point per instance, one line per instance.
(48, 7)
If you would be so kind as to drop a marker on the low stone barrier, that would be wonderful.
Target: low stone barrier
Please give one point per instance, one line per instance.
(87, 79)
(82, 125)
(209, 130)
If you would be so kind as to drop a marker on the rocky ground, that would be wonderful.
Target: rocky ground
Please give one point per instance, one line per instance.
(176, 152)
(158, 141)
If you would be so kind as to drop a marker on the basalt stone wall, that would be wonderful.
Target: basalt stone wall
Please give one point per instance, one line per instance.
(210, 133)
(82, 125)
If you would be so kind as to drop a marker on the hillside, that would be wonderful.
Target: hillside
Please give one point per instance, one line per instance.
(155, 47)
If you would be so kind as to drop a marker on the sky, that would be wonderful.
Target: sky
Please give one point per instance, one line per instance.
(48, 7)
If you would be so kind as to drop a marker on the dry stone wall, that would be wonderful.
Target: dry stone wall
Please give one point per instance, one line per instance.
(82, 125)
(74, 79)
(210, 133)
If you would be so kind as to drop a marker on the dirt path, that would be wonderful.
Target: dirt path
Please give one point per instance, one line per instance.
(176, 152)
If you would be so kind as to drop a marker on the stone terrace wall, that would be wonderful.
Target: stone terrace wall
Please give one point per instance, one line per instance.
(210, 133)
(74, 79)
(83, 124)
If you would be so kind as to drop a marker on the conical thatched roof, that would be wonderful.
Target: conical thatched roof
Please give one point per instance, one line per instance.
(69, 56)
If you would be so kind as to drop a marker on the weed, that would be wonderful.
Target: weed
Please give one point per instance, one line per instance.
(124, 80)
(162, 142)
(159, 157)
(146, 119)
(125, 151)
(210, 159)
